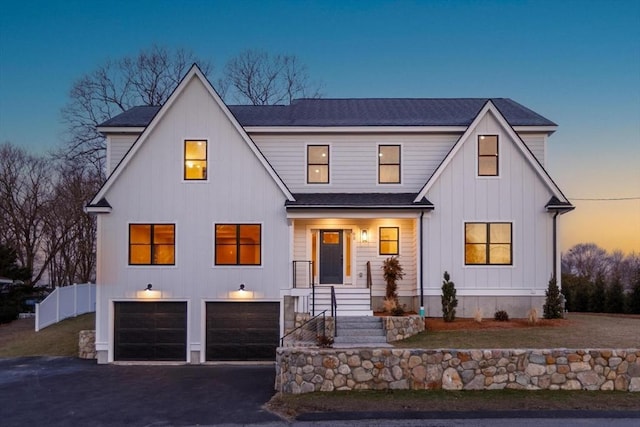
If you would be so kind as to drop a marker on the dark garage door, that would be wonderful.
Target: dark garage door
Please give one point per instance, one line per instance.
(242, 330)
(150, 331)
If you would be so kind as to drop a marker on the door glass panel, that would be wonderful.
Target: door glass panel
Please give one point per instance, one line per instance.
(331, 238)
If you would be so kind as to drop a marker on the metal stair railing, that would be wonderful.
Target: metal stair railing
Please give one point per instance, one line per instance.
(334, 311)
(319, 321)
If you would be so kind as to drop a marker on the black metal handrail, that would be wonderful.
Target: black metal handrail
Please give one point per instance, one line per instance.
(334, 311)
(306, 323)
(370, 284)
(295, 271)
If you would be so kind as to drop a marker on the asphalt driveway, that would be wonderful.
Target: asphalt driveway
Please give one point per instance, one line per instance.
(73, 392)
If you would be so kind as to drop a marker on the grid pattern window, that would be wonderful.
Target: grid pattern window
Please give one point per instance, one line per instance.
(488, 155)
(389, 164)
(317, 164)
(488, 243)
(195, 160)
(238, 244)
(389, 240)
(152, 244)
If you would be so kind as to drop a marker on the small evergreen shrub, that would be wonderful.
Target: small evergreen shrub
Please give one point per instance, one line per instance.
(553, 306)
(449, 301)
(501, 316)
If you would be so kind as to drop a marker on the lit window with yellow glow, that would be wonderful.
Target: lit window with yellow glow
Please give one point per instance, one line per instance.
(488, 155)
(389, 240)
(152, 244)
(195, 160)
(238, 244)
(317, 164)
(488, 243)
(389, 164)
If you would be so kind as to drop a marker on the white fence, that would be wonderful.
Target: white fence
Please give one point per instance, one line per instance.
(64, 302)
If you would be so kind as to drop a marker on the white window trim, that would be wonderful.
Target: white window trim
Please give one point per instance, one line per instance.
(153, 266)
(381, 256)
(492, 266)
(477, 156)
(182, 169)
(389, 184)
(306, 165)
(236, 266)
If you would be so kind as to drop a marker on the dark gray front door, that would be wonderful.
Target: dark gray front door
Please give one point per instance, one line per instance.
(331, 257)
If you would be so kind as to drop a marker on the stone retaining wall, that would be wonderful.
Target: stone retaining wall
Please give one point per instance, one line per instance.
(87, 345)
(305, 370)
(399, 328)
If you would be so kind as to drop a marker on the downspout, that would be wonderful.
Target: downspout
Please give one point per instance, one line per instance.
(421, 272)
(555, 245)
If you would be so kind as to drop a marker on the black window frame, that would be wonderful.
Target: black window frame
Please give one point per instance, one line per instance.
(205, 160)
(488, 243)
(327, 164)
(238, 244)
(387, 240)
(152, 244)
(496, 156)
(399, 164)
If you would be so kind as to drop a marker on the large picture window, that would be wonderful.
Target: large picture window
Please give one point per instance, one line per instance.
(488, 243)
(152, 244)
(195, 160)
(488, 155)
(389, 164)
(238, 244)
(389, 240)
(317, 164)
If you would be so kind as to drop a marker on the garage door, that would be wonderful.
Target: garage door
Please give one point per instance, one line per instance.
(150, 331)
(242, 330)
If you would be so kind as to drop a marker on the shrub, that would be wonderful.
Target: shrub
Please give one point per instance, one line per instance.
(324, 341)
(392, 272)
(532, 316)
(501, 316)
(449, 301)
(553, 306)
(478, 316)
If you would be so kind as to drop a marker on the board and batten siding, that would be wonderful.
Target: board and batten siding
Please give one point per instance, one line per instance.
(151, 189)
(518, 196)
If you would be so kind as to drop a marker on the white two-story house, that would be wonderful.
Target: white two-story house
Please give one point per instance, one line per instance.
(217, 223)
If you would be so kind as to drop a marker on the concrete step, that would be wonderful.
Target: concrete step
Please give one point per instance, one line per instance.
(353, 332)
(358, 339)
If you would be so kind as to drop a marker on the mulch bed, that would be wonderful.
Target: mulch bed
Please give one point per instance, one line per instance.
(467, 324)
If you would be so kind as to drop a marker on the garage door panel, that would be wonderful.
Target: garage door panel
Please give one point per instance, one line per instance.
(242, 330)
(150, 331)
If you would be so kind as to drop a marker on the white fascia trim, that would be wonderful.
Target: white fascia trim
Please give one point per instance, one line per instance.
(120, 129)
(97, 210)
(354, 129)
(351, 213)
(546, 129)
(489, 107)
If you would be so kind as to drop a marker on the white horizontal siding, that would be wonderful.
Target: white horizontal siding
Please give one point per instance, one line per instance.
(117, 147)
(354, 160)
(536, 142)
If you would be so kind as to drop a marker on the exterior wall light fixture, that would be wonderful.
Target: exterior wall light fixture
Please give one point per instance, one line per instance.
(241, 288)
(364, 236)
(148, 288)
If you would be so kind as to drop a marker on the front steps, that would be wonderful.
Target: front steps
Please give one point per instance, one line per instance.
(350, 301)
(360, 331)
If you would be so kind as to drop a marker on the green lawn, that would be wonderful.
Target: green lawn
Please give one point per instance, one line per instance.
(61, 339)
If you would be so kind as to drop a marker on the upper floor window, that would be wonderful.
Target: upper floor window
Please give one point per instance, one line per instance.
(317, 164)
(389, 240)
(389, 164)
(195, 160)
(488, 155)
(238, 244)
(152, 244)
(488, 243)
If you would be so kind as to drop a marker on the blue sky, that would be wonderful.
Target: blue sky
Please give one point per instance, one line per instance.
(575, 62)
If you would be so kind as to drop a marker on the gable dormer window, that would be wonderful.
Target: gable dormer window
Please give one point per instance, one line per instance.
(195, 160)
(488, 155)
(317, 164)
(388, 164)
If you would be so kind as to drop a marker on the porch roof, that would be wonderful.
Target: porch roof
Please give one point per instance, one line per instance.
(357, 201)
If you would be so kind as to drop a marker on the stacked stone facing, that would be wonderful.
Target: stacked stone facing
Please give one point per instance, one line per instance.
(305, 370)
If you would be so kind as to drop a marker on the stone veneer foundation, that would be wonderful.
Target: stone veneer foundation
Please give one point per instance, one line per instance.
(87, 344)
(305, 370)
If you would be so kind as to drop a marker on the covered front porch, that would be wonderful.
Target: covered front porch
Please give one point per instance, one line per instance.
(341, 241)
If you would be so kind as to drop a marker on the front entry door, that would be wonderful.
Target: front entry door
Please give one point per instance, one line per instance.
(331, 257)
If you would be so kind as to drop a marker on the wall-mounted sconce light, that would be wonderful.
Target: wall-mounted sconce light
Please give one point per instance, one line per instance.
(148, 288)
(364, 236)
(241, 288)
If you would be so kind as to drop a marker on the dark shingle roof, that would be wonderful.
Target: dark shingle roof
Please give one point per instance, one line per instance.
(359, 112)
(358, 201)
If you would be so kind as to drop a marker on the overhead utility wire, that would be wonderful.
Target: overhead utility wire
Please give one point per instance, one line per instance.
(606, 199)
